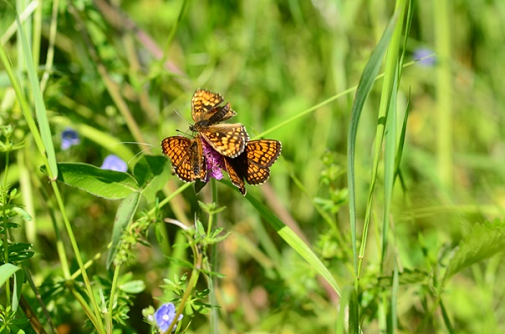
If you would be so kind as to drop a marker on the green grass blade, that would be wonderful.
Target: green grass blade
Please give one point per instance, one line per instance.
(19, 279)
(389, 166)
(348, 302)
(6, 271)
(124, 215)
(40, 107)
(365, 85)
(394, 300)
(294, 241)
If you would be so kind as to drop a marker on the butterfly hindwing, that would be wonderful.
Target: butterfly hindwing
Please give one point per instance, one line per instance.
(253, 164)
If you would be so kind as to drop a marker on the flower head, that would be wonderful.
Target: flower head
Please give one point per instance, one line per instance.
(69, 137)
(215, 162)
(422, 53)
(165, 315)
(113, 162)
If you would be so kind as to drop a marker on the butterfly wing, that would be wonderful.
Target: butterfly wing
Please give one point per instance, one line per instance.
(263, 152)
(203, 104)
(187, 157)
(235, 174)
(228, 140)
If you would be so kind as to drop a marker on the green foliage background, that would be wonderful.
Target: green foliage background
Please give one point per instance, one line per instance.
(432, 255)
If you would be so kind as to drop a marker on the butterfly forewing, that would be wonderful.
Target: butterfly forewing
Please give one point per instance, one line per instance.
(187, 157)
(176, 148)
(228, 140)
(263, 152)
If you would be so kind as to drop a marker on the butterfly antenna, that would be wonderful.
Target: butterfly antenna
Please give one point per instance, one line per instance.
(177, 112)
(147, 148)
(182, 132)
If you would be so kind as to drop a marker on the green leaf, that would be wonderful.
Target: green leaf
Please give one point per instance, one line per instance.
(483, 241)
(132, 287)
(99, 182)
(6, 271)
(294, 241)
(124, 215)
(152, 173)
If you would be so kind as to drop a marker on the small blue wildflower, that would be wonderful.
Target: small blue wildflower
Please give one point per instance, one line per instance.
(215, 162)
(165, 315)
(113, 162)
(422, 53)
(69, 138)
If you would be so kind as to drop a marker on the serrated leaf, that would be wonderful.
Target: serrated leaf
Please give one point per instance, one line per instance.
(151, 173)
(406, 277)
(483, 241)
(99, 182)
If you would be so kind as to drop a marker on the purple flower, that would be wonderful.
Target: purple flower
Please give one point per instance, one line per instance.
(165, 315)
(113, 162)
(215, 162)
(69, 137)
(420, 53)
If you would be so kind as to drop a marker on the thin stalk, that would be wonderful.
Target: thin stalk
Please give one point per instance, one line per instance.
(5, 241)
(214, 316)
(444, 92)
(112, 297)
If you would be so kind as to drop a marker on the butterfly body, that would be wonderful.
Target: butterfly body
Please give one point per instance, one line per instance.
(228, 140)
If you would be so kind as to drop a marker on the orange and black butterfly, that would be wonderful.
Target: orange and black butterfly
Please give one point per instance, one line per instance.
(253, 164)
(187, 155)
(229, 140)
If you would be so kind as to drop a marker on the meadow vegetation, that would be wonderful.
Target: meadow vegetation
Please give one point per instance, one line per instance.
(384, 213)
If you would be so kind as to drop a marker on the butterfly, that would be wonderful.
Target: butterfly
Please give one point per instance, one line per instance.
(188, 160)
(253, 164)
(228, 140)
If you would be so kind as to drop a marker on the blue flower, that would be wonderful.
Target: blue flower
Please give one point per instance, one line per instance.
(113, 162)
(165, 315)
(215, 162)
(422, 53)
(69, 137)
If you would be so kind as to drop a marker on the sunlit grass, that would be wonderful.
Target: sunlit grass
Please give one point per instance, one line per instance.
(344, 236)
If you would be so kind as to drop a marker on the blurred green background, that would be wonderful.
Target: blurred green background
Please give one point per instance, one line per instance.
(117, 71)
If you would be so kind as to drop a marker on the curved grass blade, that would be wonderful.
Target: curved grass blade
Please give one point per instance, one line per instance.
(294, 241)
(348, 307)
(365, 85)
(40, 107)
(6, 271)
(124, 215)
